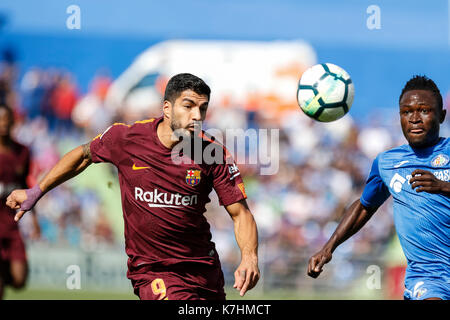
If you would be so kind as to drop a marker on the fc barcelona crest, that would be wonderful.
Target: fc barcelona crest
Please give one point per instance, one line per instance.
(193, 177)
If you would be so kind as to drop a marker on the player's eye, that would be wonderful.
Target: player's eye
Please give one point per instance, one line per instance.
(425, 111)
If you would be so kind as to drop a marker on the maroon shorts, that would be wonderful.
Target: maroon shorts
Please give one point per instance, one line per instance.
(180, 283)
(12, 247)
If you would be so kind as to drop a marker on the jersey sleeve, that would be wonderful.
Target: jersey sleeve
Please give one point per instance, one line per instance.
(375, 192)
(107, 147)
(227, 182)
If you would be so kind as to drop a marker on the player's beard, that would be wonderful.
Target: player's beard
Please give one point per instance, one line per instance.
(189, 142)
(179, 131)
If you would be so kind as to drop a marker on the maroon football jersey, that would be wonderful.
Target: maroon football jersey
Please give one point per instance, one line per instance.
(14, 166)
(163, 203)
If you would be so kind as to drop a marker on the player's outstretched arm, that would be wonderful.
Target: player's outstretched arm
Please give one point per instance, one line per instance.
(70, 165)
(355, 217)
(247, 274)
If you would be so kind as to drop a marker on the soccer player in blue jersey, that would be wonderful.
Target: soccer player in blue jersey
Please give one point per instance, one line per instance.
(417, 177)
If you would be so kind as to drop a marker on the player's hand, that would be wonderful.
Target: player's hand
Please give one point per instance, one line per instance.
(15, 201)
(317, 261)
(423, 180)
(246, 275)
(24, 199)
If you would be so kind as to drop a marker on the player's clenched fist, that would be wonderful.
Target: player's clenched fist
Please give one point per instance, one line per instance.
(23, 199)
(317, 261)
(246, 276)
(15, 199)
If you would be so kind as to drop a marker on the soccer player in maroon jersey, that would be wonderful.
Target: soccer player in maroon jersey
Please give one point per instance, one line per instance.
(167, 237)
(14, 166)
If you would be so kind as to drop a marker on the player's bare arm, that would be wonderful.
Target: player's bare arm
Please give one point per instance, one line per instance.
(423, 180)
(70, 165)
(247, 274)
(355, 217)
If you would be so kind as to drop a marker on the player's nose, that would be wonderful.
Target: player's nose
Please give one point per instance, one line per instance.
(415, 117)
(196, 115)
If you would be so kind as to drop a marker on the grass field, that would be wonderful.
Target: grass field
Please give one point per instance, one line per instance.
(232, 294)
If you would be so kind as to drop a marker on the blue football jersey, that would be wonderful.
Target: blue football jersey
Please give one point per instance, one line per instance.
(422, 219)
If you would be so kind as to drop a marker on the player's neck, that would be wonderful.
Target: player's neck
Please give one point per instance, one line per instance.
(165, 135)
(427, 145)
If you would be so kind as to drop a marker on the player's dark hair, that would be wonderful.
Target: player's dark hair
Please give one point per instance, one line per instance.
(185, 81)
(423, 83)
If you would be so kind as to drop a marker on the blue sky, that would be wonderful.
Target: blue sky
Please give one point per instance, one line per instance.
(413, 23)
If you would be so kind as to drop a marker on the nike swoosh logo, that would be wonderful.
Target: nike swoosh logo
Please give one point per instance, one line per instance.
(139, 168)
(401, 163)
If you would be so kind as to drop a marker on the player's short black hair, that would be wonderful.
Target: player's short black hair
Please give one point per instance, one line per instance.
(185, 81)
(423, 83)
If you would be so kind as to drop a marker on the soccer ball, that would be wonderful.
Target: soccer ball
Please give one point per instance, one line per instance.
(325, 92)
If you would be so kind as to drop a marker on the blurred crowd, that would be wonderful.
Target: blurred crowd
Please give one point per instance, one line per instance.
(50, 117)
(322, 169)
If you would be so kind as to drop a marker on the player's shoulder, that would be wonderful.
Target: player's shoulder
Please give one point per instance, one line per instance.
(122, 129)
(209, 140)
(215, 148)
(393, 157)
(142, 123)
(112, 132)
(141, 127)
(405, 153)
(394, 153)
(444, 143)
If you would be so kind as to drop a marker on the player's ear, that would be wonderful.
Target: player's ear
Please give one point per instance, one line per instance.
(167, 109)
(443, 113)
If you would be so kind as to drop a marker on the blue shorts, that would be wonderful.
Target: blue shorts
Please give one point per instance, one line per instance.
(418, 288)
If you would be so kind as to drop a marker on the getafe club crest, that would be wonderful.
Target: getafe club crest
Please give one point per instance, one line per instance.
(440, 160)
(193, 177)
(418, 291)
